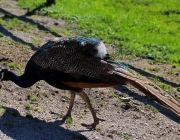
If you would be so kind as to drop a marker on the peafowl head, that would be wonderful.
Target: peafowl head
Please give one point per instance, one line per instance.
(90, 46)
(101, 50)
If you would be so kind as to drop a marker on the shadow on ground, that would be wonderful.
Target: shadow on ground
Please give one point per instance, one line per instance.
(18, 127)
(147, 74)
(168, 113)
(25, 19)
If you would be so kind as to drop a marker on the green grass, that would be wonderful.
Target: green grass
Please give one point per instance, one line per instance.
(81, 116)
(111, 95)
(69, 121)
(118, 100)
(1, 35)
(136, 27)
(156, 69)
(178, 89)
(36, 41)
(28, 114)
(124, 135)
(165, 87)
(46, 94)
(32, 97)
(102, 103)
(14, 23)
(60, 31)
(153, 109)
(170, 72)
(14, 65)
(28, 106)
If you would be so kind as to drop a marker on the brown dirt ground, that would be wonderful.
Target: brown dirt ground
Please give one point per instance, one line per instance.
(124, 120)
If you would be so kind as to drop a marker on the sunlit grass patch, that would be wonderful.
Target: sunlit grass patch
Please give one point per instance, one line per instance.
(137, 28)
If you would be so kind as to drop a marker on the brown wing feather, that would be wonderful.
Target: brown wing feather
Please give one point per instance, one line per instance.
(87, 85)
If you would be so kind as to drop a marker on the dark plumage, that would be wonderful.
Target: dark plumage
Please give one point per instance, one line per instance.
(77, 63)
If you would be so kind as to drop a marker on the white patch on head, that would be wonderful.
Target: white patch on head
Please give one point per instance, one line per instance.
(102, 52)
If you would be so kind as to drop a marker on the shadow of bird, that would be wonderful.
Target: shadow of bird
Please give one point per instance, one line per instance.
(77, 63)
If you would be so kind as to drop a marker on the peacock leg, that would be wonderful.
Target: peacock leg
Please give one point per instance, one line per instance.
(73, 94)
(85, 98)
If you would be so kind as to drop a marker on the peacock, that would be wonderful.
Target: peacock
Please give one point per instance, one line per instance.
(75, 63)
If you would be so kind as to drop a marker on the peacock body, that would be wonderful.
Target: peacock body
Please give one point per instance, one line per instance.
(74, 61)
(77, 63)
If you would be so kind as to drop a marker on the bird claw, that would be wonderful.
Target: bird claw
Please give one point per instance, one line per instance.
(93, 125)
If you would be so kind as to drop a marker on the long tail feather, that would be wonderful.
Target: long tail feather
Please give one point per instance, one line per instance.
(151, 90)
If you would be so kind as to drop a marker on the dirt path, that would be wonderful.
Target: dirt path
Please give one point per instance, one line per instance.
(139, 118)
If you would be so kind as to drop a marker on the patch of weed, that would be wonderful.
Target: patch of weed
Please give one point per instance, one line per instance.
(1, 35)
(156, 69)
(118, 100)
(37, 109)
(36, 42)
(125, 95)
(3, 63)
(46, 94)
(60, 116)
(97, 129)
(69, 121)
(124, 135)
(81, 116)
(170, 72)
(32, 97)
(178, 96)
(178, 89)
(165, 86)
(65, 96)
(28, 114)
(14, 65)
(28, 106)
(153, 109)
(111, 95)
(102, 103)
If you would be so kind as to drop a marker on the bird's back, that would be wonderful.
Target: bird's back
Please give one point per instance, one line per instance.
(75, 60)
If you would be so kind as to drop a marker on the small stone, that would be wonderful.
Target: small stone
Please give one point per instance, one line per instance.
(177, 73)
(146, 124)
(56, 23)
(56, 91)
(96, 137)
(126, 99)
(110, 136)
(85, 110)
(38, 87)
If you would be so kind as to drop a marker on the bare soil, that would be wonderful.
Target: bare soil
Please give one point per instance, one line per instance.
(132, 119)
